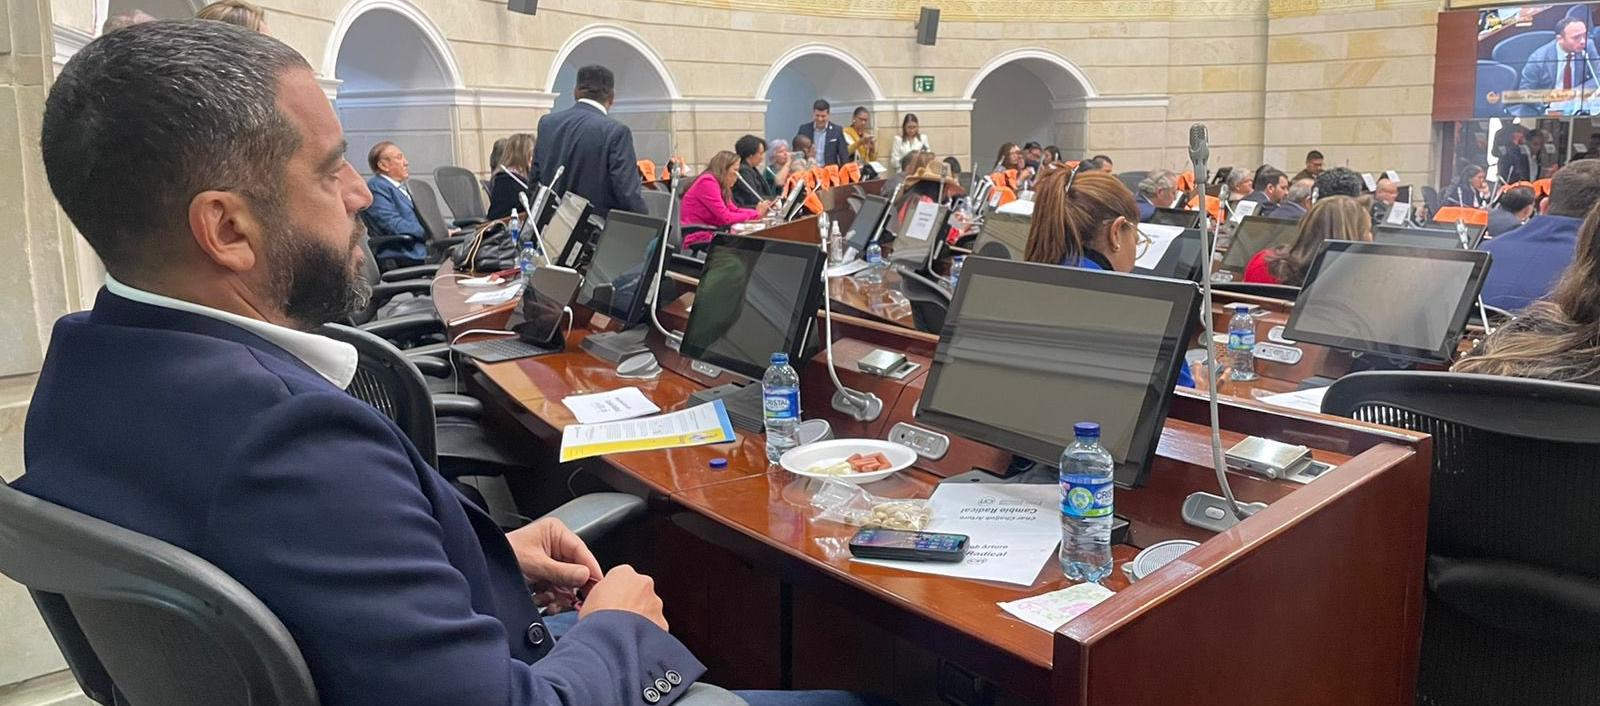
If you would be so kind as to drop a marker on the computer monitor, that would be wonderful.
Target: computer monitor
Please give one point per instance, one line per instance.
(756, 297)
(1175, 217)
(1398, 301)
(1254, 234)
(795, 204)
(1181, 260)
(623, 266)
(1003, 231)
(1420, 237)
(557, 235)
(869, 220)
(1028, 349)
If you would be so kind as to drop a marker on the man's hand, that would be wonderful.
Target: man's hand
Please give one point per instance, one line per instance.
(625, 589)
(548, 552)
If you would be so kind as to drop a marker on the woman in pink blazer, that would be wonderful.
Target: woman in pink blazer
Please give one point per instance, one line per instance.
(709, 200)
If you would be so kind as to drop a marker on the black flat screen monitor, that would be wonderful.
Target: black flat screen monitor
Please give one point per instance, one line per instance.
(869, 220)
(1254, 234)
(756, 297)
(1398, 301)
(1175, 217)
(1006, 232)
(623, 266)
(1182, 259)
(794, 206)
(1029, 349)
(1419, 237)
(557, 234)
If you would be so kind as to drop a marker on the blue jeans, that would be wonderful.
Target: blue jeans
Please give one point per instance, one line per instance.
(559, 625)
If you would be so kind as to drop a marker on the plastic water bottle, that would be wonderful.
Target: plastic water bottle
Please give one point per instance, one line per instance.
(835, 246)
(780, 404)
(1242, 344)
(955, 270)
(874, 258)
(1086, 505)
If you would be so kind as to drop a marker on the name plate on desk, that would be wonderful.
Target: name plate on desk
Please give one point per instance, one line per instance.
(1276, 336)
(1286, 355)
(709, 371)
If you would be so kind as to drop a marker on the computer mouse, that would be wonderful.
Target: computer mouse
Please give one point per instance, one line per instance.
(643, 366)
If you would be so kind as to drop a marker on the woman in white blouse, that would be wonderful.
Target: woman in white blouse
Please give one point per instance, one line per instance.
(909, 140)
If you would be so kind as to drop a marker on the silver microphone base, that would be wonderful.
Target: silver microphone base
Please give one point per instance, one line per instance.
(1211, 512)
(862, 406)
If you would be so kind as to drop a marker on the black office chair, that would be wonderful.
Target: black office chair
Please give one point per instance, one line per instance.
(1514, 51)
(656, 202)
(143, 622)
(1284, 292)
(453, 440)
(1430, 200)
(1496, 78)
(440, 239)
(462, 193)
(930, 304)
(1513, 580)
(1132, 179)
(995, 249)
(1497, 317)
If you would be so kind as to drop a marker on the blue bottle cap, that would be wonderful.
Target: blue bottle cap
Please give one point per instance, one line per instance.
(1089, 429)
(719, 464)
(1241, 308)
(780, 358)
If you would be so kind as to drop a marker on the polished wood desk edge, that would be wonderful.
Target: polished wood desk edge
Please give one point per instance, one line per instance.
(1397, 434)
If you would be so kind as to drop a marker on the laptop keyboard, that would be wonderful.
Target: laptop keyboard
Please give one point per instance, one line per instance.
(501, 349)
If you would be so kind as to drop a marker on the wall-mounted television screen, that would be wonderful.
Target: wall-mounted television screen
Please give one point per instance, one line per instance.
(1538, 60)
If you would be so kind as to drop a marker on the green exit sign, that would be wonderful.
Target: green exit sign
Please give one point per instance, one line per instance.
(921, 84)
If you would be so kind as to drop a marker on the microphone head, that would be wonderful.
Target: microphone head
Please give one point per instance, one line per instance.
(523, 197)
(1199, 147)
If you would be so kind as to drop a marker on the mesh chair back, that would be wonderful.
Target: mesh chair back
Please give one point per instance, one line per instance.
(1275, 291)
(461, 192)
(143, 622)
(929, 303)
(427, 202)
(1430, 198)
(656, 203)
(1514, 51)
(387, 381)
(1513, 592)
(1132, 179)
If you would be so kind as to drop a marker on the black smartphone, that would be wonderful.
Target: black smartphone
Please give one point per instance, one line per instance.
(875, 543)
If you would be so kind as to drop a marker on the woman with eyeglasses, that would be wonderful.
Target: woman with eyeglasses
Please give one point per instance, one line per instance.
(1086, 218)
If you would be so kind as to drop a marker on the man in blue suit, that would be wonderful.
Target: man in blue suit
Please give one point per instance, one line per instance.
(392, 211)
(1528, 261)
(1567, 63)
(826, 136)
(596, 150)
(192, 406)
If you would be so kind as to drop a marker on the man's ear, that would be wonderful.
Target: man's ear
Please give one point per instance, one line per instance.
(226, 230)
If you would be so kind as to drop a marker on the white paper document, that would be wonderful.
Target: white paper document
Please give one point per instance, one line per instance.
(1303, 400)
(498, 296)
(1399, 213)
(598, 407)
(1012, 530)
(1161, 238)
(1242, 209)
(1050, 611)
(704, 424)
(921, 225)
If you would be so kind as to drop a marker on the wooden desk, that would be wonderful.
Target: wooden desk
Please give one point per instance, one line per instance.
(883, 301)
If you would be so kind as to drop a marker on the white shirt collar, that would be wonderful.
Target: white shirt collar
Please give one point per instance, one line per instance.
(596, 105)
(334, 360)
(393, 180)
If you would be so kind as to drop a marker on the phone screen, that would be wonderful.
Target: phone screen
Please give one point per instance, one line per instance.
(901, 539)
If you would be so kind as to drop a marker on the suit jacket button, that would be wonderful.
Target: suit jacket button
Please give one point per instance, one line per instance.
(536, 634)
(674, 678)
(651, 696)
(663, 686)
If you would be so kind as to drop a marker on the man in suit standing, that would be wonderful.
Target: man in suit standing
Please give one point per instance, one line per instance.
(392, 212)
(1564, 64)
(827, 138)
(596, 150)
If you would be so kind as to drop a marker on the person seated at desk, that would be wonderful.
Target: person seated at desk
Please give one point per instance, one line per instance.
(780, 162)
(1087, 218)
(1554, 338)
(1566, 64)
(1240, 184)
(803, 158)
(913, 163)
(511, 179)
(1052, 154)
(1011, 156)
(1271, 186)
(1338, 181)
(910, 139)
(750, 188)
(392, 211)
(1528, 260)
(1314, 161)
(193, 405)
(708, 203)
(1331, 218)
(1468, 189)
(1104, 163)
(1516, 207)
(1298, 201)
(1158, 190)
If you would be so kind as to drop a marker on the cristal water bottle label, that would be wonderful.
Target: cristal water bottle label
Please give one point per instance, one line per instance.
(1241, 340)
(781, 404)
(1086, 497)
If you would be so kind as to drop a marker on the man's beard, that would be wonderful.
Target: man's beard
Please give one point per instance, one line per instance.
(312, 283)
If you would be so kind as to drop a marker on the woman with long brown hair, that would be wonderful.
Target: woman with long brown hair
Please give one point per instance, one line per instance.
(1555, 338)
(511, 177)
(709, 200)
(1330, 218)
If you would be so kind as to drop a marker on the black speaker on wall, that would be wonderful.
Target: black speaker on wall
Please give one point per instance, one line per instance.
(526, 7)
(928, 26)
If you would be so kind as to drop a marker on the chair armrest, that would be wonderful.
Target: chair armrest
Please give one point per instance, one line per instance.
(447, 243)
(451, 405)
(379, 242)
(424, 273)
(404, 326)
(466, 222)
(430, 366)
(595, 515)
(382, 292)
(436, 351)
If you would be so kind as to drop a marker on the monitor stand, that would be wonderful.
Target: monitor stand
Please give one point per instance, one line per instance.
(617, 346)
(743, 404)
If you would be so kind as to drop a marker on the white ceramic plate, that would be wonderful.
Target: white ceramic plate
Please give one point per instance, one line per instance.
(798, 459)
